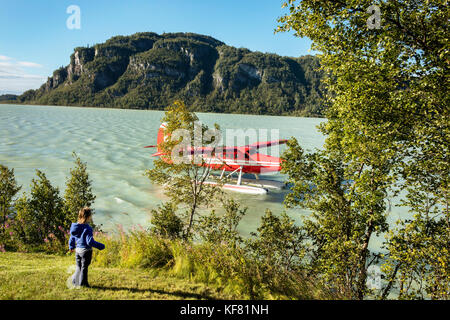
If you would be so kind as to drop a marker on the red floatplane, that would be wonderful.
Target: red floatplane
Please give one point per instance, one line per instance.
(235, 160)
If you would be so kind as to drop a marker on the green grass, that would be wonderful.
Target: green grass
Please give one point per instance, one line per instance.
(42, 276)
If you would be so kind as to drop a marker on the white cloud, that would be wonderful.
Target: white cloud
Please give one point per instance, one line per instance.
(14, 78)
(29, 64)
(6, 64)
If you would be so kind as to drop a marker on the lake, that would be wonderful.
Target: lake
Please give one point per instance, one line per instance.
(111, 141)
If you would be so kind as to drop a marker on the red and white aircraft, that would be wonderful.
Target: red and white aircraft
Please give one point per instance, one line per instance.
(244, 159)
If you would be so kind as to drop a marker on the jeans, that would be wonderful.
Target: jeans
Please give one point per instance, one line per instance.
(83, 260)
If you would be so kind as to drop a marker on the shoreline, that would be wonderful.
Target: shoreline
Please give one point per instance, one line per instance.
(161, 110)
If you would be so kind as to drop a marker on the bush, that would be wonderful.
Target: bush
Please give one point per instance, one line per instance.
(38, 222)
(8, 190)
(235, 270)
(215, 229)
(78, 193)
(139, 249)
(165, 221)
(41, 215)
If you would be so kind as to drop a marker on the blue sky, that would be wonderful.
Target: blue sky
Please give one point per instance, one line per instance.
(34, 38)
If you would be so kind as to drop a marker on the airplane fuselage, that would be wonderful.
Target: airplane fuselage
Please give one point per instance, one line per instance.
(256, 163)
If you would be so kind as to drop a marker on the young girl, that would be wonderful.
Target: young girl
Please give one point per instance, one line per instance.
(82, 240)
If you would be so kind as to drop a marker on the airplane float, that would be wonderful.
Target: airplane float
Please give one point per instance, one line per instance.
(235, 160)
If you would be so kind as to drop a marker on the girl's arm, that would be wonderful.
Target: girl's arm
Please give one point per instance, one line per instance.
(72, 242)
(92, 243)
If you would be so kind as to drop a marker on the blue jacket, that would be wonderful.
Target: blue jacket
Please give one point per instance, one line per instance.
(81, 237)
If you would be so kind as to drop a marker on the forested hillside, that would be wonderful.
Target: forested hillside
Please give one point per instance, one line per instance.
(149, 71)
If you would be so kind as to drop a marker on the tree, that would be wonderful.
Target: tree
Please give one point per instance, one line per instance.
(347, 207)
(8, 190)
(183, 173)
(419, 253)
(165, 221)
(278, 242)
(41, 215)
(216, 229)
(78, 193)
(276, 252)
(387, 81)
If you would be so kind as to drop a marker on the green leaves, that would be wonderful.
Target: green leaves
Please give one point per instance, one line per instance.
(184, 181)
(8, 190)
(387, 132)
(279, 242)
(165, 221)
(78, 193)
(222, 230)
(347, 207)
(39, 221)
(42, 213)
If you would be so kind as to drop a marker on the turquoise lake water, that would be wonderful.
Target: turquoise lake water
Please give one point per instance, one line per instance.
(111, 142)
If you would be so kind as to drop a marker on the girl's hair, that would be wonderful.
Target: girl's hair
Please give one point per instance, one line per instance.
(84, 214)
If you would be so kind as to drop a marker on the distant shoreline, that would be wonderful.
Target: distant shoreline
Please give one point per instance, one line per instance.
(161, 110)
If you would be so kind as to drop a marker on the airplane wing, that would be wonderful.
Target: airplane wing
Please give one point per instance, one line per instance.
(266, 144)
(220, 149)
(197, 150)
(256, 145)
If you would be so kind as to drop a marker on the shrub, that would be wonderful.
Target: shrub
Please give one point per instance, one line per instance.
(38, 222)
(78, 193)
(267, 266)
(8, 190)
(139, 249)
(215, 229)
(41, 215)
(165, 221)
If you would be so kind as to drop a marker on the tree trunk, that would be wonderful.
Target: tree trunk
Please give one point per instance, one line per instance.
(391, 281)
(362, 265)
(191, 218)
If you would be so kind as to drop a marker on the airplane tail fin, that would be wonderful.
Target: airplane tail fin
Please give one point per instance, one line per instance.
(161, 136)
(159, 139)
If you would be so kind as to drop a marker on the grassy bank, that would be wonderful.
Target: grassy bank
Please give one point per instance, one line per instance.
(237, 271)
(144, 266)
(42, 276)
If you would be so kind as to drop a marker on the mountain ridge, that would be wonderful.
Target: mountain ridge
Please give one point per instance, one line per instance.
(148, 71)
(8, 97)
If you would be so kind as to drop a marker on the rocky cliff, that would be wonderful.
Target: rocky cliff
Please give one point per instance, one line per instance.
(149, 71)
